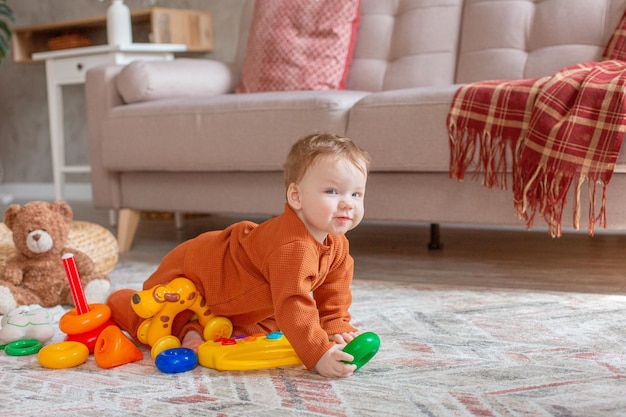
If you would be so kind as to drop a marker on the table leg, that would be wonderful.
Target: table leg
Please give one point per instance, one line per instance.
(57, 134)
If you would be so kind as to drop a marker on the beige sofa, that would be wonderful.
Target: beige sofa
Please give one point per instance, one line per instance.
(172, 136)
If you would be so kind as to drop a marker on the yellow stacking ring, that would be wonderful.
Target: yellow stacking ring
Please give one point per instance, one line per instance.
(63, 355)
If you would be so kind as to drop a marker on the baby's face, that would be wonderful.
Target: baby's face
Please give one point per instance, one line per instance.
(331, 195)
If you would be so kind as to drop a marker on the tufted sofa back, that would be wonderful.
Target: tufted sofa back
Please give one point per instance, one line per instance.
(405, 43)
(415, 43)
(506, 39)
(400, 43)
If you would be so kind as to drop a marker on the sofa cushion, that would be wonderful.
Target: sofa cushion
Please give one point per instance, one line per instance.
(145, 81)
(417, 118)
(616, 46)
(296, 45)
(229, 132)
(405, 44)
(529, 38)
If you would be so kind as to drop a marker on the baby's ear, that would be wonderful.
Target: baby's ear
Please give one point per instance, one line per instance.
(293, 196)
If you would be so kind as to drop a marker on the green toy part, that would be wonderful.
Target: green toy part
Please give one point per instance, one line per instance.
(363, 348)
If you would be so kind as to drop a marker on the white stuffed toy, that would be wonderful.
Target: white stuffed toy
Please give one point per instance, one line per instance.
(23, 323)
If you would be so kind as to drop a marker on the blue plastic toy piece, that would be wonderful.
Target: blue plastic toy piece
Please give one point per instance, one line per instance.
(176, 360)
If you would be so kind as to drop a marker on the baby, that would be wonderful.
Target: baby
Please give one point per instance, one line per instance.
(290, 273)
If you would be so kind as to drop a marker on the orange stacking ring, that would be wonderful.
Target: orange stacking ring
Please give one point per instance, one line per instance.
(74, 323)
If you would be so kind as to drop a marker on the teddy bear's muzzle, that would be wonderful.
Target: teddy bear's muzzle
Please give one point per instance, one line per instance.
(39, 241)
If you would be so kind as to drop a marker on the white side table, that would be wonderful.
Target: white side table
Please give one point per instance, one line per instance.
(69, 66)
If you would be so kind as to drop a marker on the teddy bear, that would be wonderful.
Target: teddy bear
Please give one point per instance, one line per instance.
(36, 274)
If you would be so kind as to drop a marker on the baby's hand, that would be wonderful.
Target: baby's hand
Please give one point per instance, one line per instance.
(343, 338)
(330, 364)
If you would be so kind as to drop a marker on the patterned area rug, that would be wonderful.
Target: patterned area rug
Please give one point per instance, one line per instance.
(445, 351)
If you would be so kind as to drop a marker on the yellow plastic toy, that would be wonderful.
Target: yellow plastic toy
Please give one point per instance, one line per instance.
(160, 304)
(253, 352)
(63, 355)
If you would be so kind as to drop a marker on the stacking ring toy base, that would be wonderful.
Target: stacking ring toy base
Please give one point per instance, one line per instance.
(176, 360)
(23, 347)
(363, 348)
(63, 355)
(253, 352)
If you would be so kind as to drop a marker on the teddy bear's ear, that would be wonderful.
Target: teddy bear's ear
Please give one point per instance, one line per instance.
(63, 209)
(10, 214)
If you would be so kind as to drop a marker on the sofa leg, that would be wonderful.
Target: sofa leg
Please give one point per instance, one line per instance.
(179, 220)
(435, 237)
(112, 218)
(126, 228)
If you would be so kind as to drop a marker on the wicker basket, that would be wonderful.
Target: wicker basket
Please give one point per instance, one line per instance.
(93, 239)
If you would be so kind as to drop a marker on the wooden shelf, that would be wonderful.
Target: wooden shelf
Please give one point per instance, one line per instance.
(155, 25)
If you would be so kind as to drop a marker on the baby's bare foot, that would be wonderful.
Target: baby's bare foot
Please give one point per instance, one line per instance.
(192, 340)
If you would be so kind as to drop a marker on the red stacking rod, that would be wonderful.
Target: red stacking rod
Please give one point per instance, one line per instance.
(76, 285)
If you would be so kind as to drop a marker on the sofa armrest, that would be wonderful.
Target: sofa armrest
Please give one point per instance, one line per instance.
(101, 97)
(183, 77)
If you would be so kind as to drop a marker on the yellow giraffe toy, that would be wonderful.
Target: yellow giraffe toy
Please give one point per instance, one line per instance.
(160, 304)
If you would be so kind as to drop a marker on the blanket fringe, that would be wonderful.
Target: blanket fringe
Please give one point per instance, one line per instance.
(601, 217)
(547, 132)
(480, 153)
(535, 191)
(546, 195)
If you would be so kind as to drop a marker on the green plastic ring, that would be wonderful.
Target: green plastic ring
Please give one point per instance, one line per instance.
(363, 348)
(23, 347)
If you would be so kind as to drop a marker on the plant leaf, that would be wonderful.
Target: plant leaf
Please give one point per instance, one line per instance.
(6, 11)
(5, 28)
(4, 47)
(5, 32)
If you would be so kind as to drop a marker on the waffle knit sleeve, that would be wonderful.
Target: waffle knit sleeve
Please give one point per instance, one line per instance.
(333, 296)
(296, 311)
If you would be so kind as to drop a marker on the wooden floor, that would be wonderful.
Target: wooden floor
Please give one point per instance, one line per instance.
(493, 258)
(473, 257)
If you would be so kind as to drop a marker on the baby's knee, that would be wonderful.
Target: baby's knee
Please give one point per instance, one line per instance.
(122, 313)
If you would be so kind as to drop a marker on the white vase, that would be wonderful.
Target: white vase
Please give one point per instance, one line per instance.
(119, 27)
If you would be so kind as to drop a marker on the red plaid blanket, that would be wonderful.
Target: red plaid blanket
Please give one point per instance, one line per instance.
(548, 132)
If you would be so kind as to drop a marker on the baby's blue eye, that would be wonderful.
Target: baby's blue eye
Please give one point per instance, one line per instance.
(331, 191)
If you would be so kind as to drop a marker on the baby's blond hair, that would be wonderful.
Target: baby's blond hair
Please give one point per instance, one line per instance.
(311, 147)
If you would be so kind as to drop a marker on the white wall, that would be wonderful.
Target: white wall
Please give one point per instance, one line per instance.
(24, 134)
